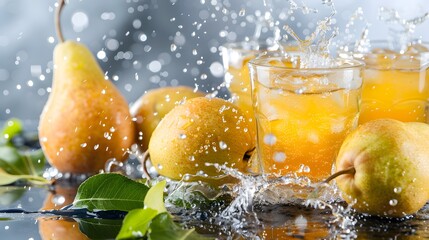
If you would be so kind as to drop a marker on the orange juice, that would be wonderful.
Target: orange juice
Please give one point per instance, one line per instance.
(239, 84)
(235, 59)
(396, 85)
(303, 116)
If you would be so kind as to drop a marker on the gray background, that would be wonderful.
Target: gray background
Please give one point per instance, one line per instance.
(133, 41)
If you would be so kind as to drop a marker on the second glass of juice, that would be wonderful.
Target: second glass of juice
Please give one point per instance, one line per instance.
(235, 57)
(303, 114)
(396, 81)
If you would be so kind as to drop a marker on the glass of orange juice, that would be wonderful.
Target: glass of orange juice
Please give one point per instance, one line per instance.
(303, 114)
(235, 57)
(396, 81)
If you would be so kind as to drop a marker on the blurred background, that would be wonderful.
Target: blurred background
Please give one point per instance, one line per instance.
(146, 44)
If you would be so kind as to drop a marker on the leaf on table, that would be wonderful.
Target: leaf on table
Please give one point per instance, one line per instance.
(35, 161)
(11, 161)
(155, 197)
(15, 162)
(6, 178)
(95, 228)
(110, 191)
(10, 129)
(164, 228)
(136, 223)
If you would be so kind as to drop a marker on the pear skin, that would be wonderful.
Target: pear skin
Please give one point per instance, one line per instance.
(86, 120)
(201, 131)
(391, 161)
(152, 106)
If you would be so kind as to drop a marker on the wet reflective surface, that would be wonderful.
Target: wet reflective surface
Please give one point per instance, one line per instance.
(267, 222)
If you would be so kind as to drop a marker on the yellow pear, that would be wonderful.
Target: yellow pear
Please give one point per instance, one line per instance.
(86, 120)
(52, 228)
(387, 165)
(152, 106)
(201, 131)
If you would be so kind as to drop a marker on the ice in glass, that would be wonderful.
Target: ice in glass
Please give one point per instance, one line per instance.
(303, 115)
(396, 83)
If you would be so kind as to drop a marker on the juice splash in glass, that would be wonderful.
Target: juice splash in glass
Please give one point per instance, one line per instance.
(235, 58)
(396, 82)
(303, 114)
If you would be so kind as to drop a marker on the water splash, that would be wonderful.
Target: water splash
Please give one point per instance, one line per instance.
(315, 46)
(360, 38)
(404, 36)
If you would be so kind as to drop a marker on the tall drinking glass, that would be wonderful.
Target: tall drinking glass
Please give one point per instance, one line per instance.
(303, 114)
(396, 82)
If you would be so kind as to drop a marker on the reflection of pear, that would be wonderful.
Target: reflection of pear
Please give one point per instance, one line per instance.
(391, 165)
(59, 228)
(86, 120)
(198, 132)
(150, 108)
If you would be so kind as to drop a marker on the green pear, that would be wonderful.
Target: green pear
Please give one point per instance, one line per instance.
(198, 132)
(152, 106)
(86, 120)
(386, 166)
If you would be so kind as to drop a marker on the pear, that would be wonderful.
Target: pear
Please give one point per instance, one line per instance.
(53, 228)
(86, 120)
(385, 165)
(152, 106)
(201, 132)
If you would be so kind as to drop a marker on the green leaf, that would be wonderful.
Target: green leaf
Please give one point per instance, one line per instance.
(155, 197)
(95, 228)
(22, 163)
(110, 191)
(6, 178)
(164, 228)
(9, 195)
(35, 161)
(136, 223)
(11, 128)
(11, 161)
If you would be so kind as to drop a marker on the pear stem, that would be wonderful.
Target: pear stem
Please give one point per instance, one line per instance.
(351, 170)
(58, 20)
(145, 158)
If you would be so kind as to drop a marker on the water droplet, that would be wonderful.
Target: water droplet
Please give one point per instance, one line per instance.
(306, 169)
(270, 139)
(159, 166)
(58, 199)
(80, 21)
(182, 136)
(397, 190)
(242, 12)
(83, 145)
(96, 146)
(279, 157)
(222, 145)
(393, 202)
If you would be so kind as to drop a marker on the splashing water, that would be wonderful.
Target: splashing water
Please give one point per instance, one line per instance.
(404, 36)
(361, 40)
(315, 46)
(256, 192)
